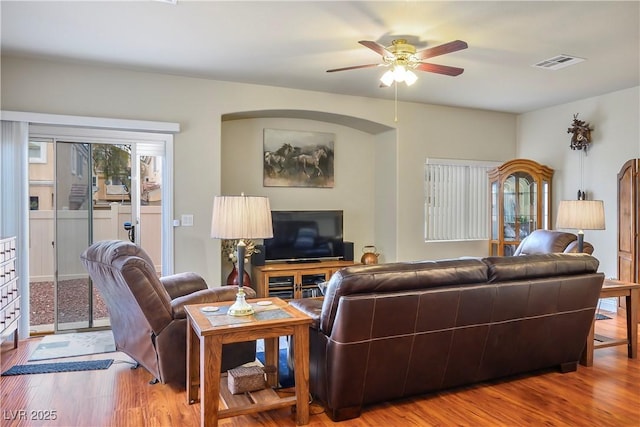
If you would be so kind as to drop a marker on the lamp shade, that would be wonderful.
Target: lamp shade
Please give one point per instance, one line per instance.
(241, 217)
(581, 215)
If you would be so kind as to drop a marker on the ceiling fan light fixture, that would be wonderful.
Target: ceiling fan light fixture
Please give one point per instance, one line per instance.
(387, 78)
(410, 77)
(399, 73)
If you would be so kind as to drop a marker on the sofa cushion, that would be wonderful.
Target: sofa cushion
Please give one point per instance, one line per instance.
(503, 269)
(395, 277)
(404, 276)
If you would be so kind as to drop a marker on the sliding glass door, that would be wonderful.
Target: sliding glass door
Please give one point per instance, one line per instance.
(81, 192)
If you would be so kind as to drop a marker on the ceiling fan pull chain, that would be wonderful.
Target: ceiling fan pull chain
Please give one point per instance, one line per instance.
(395, 118)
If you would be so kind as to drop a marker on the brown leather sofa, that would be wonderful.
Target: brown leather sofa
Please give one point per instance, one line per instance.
(390, 331)
(551, 241)
(147, 313)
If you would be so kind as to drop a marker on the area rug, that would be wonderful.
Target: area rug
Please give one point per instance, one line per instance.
(601, 317)
(285, 377)
(47, 368)
(74, 344)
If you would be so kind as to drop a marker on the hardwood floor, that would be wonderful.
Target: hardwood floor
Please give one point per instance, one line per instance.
(606, 394)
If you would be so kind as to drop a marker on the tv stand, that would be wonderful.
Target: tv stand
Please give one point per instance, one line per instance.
(288, 280)
(302, 261)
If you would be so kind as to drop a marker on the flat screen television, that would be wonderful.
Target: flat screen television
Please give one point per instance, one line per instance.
(305, 236)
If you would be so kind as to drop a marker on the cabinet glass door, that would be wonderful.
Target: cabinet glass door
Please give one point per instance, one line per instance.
(281, 286)
(309, 284)
(510, 208)
(546, 221)
(494, 213)
(527, 196)
(519, 209)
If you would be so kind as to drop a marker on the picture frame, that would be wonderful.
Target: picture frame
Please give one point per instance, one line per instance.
(294, 158)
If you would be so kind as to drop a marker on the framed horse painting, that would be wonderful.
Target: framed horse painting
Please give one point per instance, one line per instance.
(294, 158)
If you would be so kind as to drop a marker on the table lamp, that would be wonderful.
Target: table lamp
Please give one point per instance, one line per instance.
(581, 215)
(241, 217)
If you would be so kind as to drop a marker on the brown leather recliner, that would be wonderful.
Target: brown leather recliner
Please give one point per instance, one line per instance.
(550, 241)
(147, 313)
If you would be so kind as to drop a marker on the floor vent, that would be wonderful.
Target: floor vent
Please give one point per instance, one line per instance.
(557, 62)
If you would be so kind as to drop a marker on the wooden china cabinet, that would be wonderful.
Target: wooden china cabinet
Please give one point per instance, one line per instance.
(520, 192)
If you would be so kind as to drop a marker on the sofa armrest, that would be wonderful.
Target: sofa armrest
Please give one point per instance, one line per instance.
(224, 293)
(181, 284)
(312, 307)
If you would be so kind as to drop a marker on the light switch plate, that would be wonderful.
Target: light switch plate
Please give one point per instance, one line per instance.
(187, 220)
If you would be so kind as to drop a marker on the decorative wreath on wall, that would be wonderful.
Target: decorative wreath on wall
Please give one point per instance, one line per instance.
(581, 131)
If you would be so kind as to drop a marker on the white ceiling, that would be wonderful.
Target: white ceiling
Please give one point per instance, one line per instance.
(292, 44)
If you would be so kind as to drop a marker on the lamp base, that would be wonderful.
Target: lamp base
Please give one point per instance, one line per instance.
(580, 241)
(241, 307)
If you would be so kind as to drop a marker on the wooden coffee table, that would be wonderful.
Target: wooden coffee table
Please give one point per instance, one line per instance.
(616, 288)
(207, 331)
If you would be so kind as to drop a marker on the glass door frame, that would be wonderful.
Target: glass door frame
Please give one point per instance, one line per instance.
(69, 166)
(134, 139)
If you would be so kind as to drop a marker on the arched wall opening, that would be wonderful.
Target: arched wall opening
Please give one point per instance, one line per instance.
(365, 172)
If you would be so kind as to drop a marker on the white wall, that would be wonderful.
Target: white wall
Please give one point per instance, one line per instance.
(386, 198)
(198, 105)
(431, 131)
(615, 118)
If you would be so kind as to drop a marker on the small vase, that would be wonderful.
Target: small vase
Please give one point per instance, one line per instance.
(232, 279)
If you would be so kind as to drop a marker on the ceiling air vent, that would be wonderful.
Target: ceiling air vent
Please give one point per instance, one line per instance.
(557, 62)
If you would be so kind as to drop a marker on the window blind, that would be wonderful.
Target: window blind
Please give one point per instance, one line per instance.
(457, 199)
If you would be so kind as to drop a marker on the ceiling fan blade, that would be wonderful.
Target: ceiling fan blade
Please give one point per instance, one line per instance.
(376, 47)
(440, 69)
(441, 50)
(355, 67)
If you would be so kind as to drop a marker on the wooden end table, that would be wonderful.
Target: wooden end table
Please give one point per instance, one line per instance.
(207, 331)
(616, 288)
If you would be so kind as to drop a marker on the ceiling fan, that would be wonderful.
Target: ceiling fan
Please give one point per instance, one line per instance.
(403, 57)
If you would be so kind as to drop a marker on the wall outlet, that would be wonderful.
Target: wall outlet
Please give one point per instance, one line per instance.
(187, 220)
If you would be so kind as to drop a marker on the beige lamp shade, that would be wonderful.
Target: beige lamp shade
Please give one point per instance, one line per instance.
(241, 217)
(581, 215)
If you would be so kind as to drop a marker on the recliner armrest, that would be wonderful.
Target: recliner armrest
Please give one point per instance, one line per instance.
(224, 293)
(587, 248)
(181, 284)
(312, 307)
